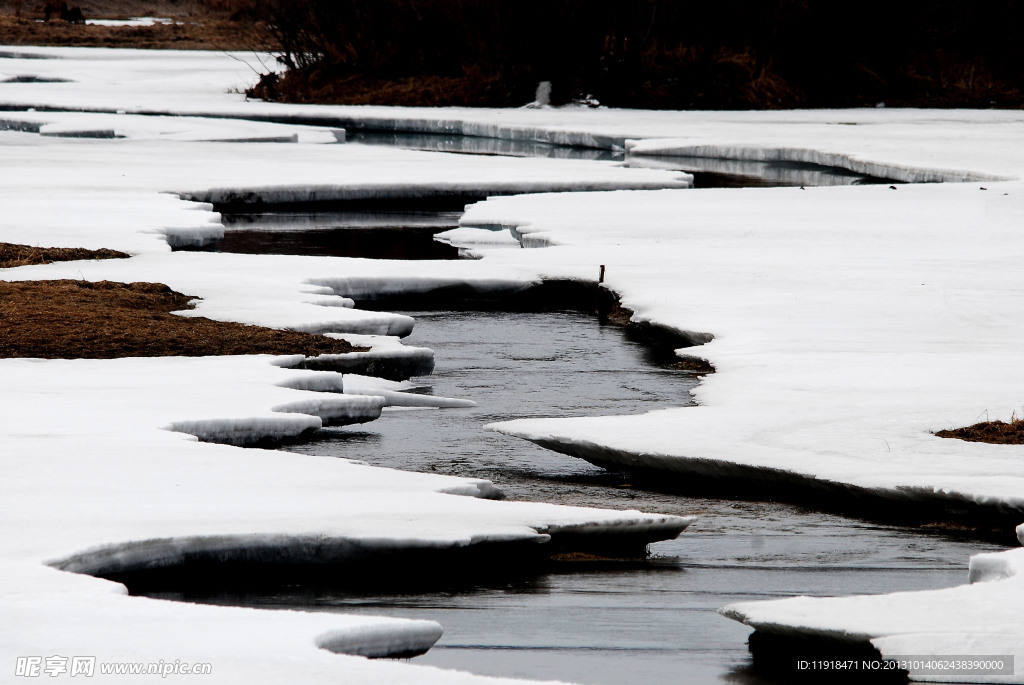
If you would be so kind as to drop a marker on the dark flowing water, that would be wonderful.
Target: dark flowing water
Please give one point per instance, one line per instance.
(475, 145)
(649, 623)
(367, 234)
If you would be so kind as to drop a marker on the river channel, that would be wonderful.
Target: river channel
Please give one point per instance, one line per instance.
(648, 623)
(644, 623)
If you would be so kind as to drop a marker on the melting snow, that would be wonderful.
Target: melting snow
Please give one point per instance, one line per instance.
(847, 325)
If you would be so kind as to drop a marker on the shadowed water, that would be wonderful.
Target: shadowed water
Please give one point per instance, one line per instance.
(366, 234)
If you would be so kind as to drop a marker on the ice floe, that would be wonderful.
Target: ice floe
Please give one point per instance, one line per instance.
(170, 128)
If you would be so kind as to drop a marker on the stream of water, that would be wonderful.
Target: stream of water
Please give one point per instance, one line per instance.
(642, 623)
(649, 623)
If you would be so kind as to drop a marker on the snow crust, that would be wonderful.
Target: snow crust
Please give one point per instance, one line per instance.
(469, 237)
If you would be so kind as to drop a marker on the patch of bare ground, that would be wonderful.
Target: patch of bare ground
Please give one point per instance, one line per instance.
(13, 254)
(328, 86)
(994, 432)
(196, 25)
(614, 313)
(693, 365)
(104, 320)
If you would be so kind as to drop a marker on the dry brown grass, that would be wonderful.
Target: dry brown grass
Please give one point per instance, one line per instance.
(13, 254)
(104, 320)
(199, 30)
(694, 365)
(995, 432)
(325, 86)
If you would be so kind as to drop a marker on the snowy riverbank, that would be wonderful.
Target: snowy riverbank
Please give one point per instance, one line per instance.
(846, 324)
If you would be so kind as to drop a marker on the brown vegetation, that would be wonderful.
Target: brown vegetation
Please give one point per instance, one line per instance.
(626, 53)
(694, 365)
(995, 432)
(104, 320)
(13, 254)
(650, 53)
(199, 25)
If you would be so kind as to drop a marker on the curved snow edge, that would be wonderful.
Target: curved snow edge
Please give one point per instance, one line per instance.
(413, 638)
(320, 549)
(907, 174)
(800, 486)
(291, 420)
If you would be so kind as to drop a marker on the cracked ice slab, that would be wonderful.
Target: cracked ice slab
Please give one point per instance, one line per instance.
(169, 128)
(93, 482)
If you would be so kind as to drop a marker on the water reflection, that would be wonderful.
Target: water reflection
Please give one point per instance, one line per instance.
(371, 235)
(710, 172)
(473, 145)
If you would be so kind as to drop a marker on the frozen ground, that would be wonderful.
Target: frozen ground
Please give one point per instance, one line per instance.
(847, 324)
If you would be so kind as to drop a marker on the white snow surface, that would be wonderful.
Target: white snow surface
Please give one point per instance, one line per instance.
(846, 324)
(134, 21)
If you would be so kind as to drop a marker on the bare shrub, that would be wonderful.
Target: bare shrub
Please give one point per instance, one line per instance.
(663, 53)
